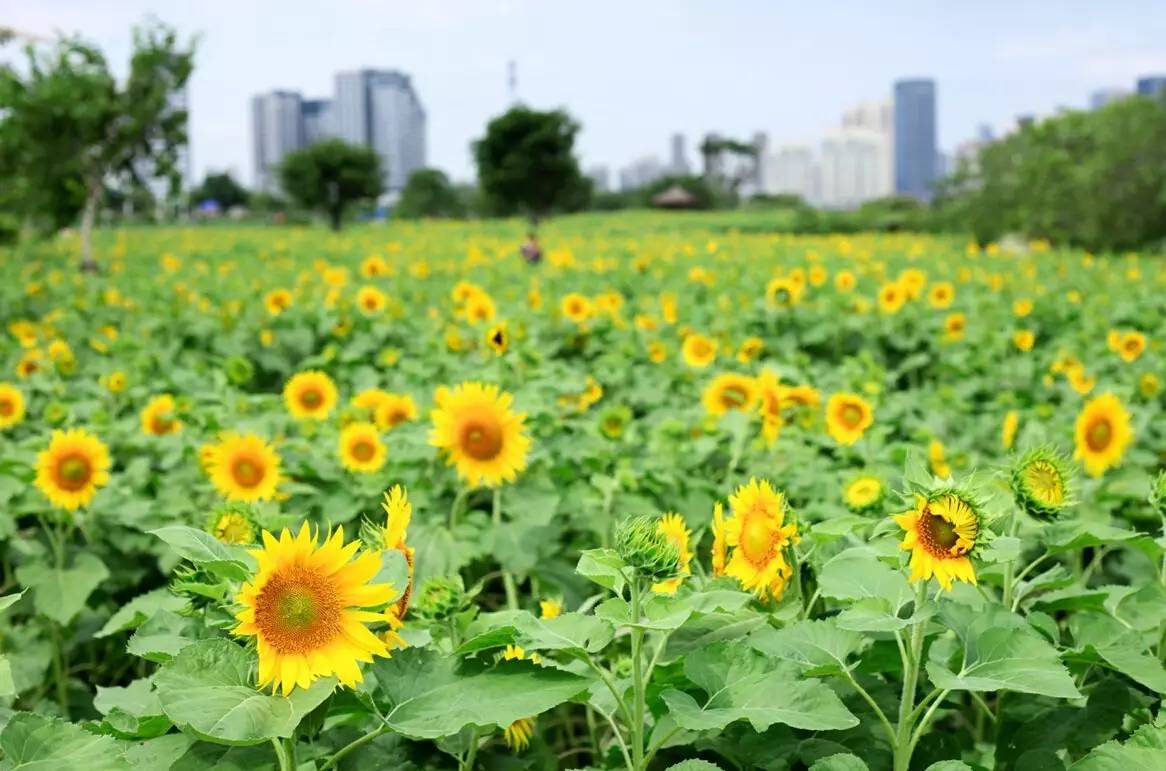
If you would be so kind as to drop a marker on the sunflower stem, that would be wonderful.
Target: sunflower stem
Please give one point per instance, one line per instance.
(455, 508)
(507, 576)
(903, 743)
(1010, 568)
(281, 754)
(467, 763)
(359, 742)
(636, 729)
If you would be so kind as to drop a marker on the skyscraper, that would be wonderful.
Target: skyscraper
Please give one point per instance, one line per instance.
(1104, 96)
(380, 109)
(277, 129)
(678, 163)
(915, 138)
(317, 116)
(1151, 85)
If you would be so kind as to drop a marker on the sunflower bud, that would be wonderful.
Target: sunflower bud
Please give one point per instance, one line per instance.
(1158, 494)
(614, 421)
(1041, 483)
(239, 370)
(641, 544)
(232, 523)
(441, 597)
(372, 534)
(55, 413)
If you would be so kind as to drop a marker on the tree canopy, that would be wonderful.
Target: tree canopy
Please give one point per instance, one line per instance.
(222, 189)
(526, 163)
(330, 176)
(429, 193)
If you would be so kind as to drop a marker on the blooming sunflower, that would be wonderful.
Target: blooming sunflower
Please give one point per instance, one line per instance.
(863, 493)
(360, 447)
(844, 281)
(1149, 385)
(476, 429)
(306, 607)
(1131, 346)
(940, 532)
(232, 524)
(941, 295)
(277, 301)
(369, 399)
(575, 308)
(730, 391)
(1023, 339)
(1102, 434)
(158, 416)
(394, 410)
(242, 467)
(699, 351)
(954, 326)
(892, 296)
(848, 416)
(310, 395)
(398, 513)
(671, 526)
(71, 469)
(11, 405)
(370, 300)
(758, 535)
(750, 349)
(480, 308)
(498, 338)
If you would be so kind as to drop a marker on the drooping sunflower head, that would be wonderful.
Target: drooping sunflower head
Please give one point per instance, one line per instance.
(941, 532)
(158, 416)
(864, 493)
(476, 430)
(242, 467)
(393, 410)
(360, 447)
(758, 535)
(518, 734)
(730, 391)
(308, 606)
(72, 468)
(310, 395)
(1041, 483)
(646, 548)
(672, 527)
(1102, 434)
(232, 523)
(848, 416)
(398, 513)
(11, 405)
(498, 338)
(699, 351)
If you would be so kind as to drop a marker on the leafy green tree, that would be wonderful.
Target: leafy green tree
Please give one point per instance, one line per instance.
(331, 176)
(429, 193)
(526, 163)
(221, 188)
(71, 129)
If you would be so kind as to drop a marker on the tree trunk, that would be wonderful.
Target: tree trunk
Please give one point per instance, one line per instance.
(88, 215)
(334, 217)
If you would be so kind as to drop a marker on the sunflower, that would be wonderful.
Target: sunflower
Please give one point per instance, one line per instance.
(242, 467)
(1131, 346)
(277, 301)
(517, 735)
(394, 410)
(549, 609)
(575, 307)
(158, 416)
(1008, 429)
(398, 514)
(750, 349)
(30, 363)
(936, 457)
(1081, 381)
(498, 338)
(954, 326)
(863, 493)
(719, 536)
(370, 300)
(758, 535)
(374, 265)
(360, 447)
(730, 391)
(71, 469)
(1023, 339)
(800, 396)
(699, 351)
(657, 353)
(941, 295)
(892, 296)
(232, 524)
(1022, 307)
(306, 607)
(310, 395)
(1149, 385)
(671, 526)
(475, 428)
(11, 405)
(1102, 434)
(369, 399)
(848, 416)
(464, 291)
(844, 281)
(1040, 483)
(912, 280)
(480, 308)
(940, 532)
(784, 292)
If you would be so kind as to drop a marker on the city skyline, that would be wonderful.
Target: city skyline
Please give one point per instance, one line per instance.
(790, 71)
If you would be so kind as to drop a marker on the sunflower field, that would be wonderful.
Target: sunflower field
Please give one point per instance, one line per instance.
(685, 495)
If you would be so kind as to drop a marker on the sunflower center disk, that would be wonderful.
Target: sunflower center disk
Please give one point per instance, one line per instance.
(938, 535)
(851, 415)
(1098, 435)
(73, 472)
(297, 611)
(247, 472)
(482, 441)
(1044, 481)
(756, 539)
(734, 397)
(6, 408)
(363, 451)
(311, 399)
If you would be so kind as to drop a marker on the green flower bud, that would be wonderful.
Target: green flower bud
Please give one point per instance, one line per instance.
(441, 597)
(1041, 483)
(642, 545)
(1158, 494)
(239, 370)
(56, 413)
(614, 421)
(232, 523)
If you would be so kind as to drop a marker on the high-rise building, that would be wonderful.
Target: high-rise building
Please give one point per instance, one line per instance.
(1151, 85)
(877, 120)
(317, 116)
(380, 109)
(853, 167)
(915, 138)
(600, 178)
(277, 129)
(678, 163)
(1104, 96)
(641, 173)
(792, 169)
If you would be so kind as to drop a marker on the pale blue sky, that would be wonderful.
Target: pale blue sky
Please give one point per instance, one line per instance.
(635, 71)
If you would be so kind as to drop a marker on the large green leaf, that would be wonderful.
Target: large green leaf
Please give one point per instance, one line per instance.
(877, 596)
(206, 551)
(842, 761)
(604, 567)
(741, 684)
(818, 647)
(138, 610)
(1145, 749)
(431, 697)
(60, 594)
(570, 632)
(1117, 646)
(208, 690)
(37, 743)
(132, 711)
(8, 600)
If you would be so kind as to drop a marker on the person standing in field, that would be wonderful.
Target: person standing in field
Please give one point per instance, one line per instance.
(531, 251)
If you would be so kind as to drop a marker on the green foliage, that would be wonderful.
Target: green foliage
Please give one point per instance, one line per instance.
(429, 193)
(331, 176)
(526, 163)
(221, 188)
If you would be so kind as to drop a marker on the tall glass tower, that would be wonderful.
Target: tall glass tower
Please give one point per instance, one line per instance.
(915, 144)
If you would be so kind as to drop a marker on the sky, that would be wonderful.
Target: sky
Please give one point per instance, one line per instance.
(637, 71)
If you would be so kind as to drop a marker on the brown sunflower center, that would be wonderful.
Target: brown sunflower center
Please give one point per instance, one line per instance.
(757, 537)
(7, 408)
(1099, 434)
(363, 450)
(73, 472)
(248, 472)
(850, 415)
(311, 398)
(396, 417)
(163, 422)
(298, 610)
(937, 535)
(481, 439)
(734, 397)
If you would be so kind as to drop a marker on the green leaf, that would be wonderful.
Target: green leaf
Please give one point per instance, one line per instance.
(1074, 535)
(159, 753)
(604, 567)
(206, 551)
(694, 765)
(163, 636)
(875, 593)
(37, 743)
(60, 594)
(702, 630)
(208, 690)
(842, 761)
(431, 698)
(138, 610)
(7, 684)
(569, 632)
(818, 647)
(1119, 647)
(1001, 653)
(949, 765)
(1146, 749)
(132, 711)
(8, 600)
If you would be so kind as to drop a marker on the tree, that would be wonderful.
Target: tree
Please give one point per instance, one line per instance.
(221, 188)
(526, 163)
(331, 176)
(70, 129)
(429, 193)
